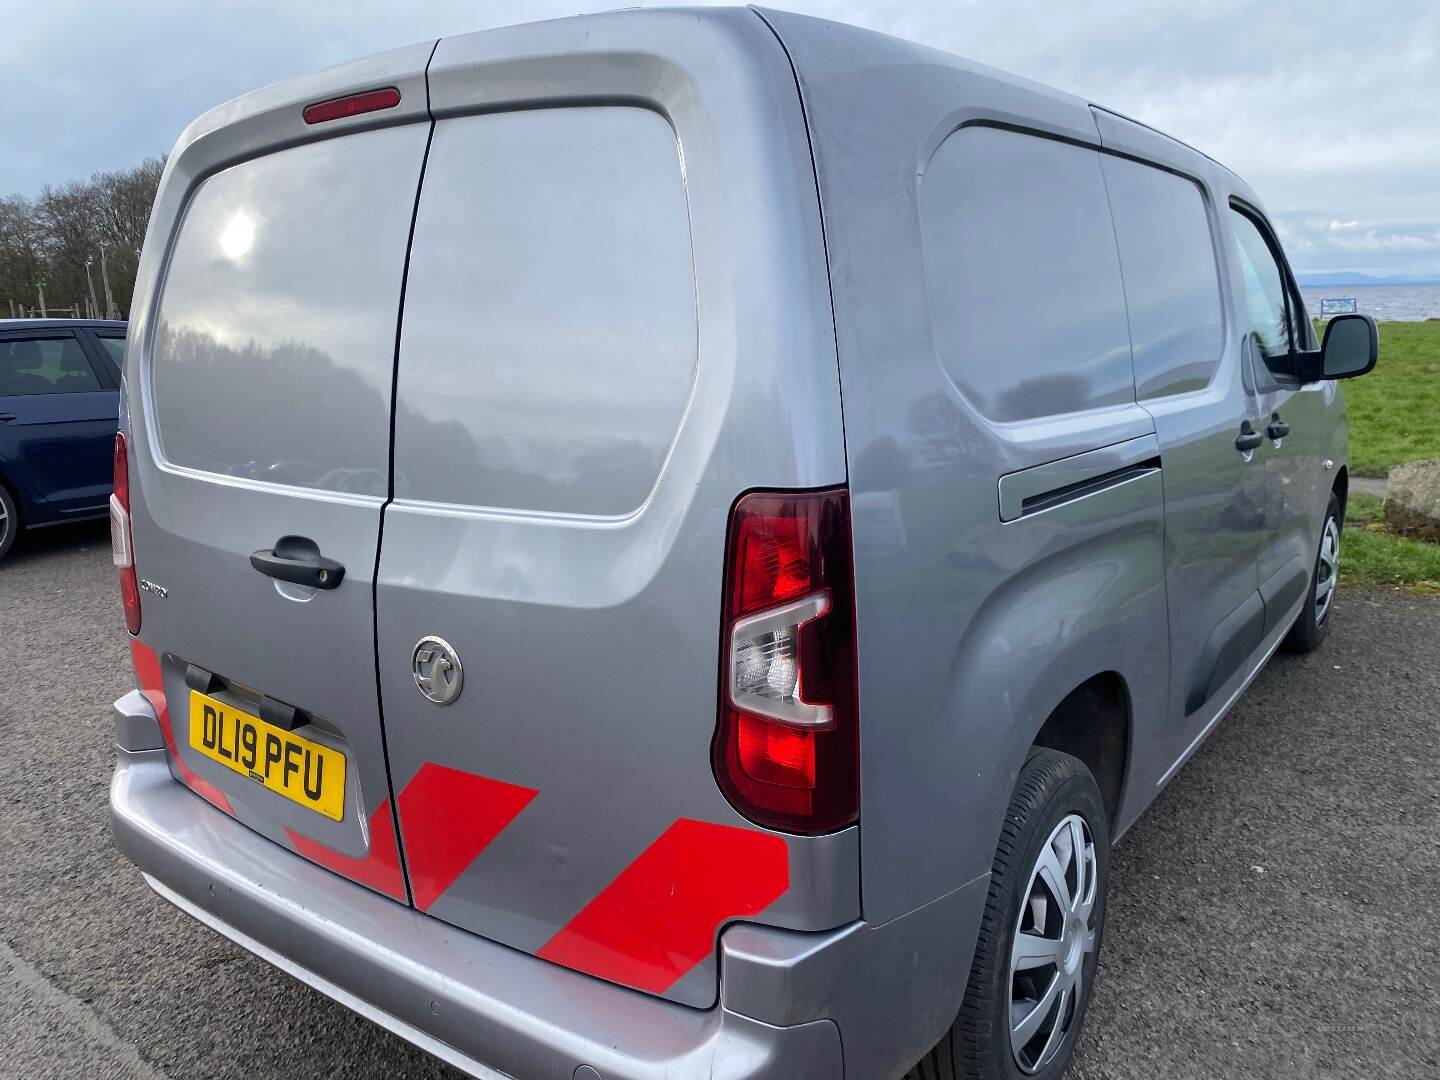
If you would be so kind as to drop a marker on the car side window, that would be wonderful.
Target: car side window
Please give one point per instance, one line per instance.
(1268, 300)
(49, 365)
(115, 348)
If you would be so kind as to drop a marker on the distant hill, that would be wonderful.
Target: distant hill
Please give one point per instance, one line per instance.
(1346, 277)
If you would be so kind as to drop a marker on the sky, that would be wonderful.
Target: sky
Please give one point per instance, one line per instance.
(1330, 110)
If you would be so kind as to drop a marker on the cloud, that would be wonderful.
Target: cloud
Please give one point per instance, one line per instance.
(1326, 109)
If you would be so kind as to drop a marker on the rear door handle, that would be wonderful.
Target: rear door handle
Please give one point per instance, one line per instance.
(297, 560)
(1278, 428)
(1249, 439)
(6, 417)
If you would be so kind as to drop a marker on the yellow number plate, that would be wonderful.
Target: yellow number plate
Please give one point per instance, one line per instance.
(301, 770)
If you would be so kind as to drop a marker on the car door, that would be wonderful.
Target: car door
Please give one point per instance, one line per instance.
(58, 413)
(258, 395)
(1294, 486)
(1191, 377)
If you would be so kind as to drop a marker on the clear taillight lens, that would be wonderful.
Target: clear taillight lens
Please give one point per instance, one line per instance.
(122, 551)
(765, 663)
(786, 753)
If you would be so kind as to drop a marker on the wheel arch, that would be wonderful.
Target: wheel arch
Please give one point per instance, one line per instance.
(1093, 723)
(17, 494)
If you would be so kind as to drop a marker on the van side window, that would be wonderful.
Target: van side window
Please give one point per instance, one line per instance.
(1268, 301)
(1026, 302)
(1172, 283)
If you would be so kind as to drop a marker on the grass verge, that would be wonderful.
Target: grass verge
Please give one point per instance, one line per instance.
(1395, 410)
(1373, 557)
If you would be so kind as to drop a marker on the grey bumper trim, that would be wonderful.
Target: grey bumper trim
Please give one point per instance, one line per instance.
(391, 1023)
(487, 1009)
(136, 727)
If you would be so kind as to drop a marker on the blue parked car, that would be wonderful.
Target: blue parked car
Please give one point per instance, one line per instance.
(59, 404)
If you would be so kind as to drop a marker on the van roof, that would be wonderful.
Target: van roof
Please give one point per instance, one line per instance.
(850, 45)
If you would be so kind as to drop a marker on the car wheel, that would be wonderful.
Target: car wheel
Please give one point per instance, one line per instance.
(9, 521)
(1313, 622)
(1039, 942)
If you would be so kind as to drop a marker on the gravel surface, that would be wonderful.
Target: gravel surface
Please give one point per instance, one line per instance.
(1275, 914)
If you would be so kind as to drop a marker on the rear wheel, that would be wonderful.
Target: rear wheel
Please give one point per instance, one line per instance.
(9, 521)
(1039, 942)
(1313, 622)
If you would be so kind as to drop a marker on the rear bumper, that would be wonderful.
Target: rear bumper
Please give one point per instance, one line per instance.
(494, 1011)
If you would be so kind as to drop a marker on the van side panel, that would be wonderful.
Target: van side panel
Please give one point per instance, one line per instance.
(971, 629)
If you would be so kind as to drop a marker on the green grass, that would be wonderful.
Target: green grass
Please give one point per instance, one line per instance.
(1375, 558)
(1370, 557)
(1362, 509)
(1394, 418)
(1395, 410)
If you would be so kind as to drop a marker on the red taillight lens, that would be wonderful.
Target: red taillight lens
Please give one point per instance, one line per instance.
(773, 557)
(122, 551)
(772, 753)
(787, 752)
(352, 105)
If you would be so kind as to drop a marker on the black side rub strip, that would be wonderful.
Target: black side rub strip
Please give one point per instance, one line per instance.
(1078, 490)
(1043, 487)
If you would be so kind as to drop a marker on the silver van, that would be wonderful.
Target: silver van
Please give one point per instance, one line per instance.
(671, 543)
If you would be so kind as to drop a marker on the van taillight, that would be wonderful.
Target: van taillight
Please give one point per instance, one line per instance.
(122, 551)
(787, 752)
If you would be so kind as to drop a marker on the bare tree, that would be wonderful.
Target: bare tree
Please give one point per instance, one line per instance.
(22, 262)
(125, 199)
(68, 215)
(49, 239)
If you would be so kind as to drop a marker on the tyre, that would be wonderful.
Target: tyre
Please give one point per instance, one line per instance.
(1313, 622)
(9, 521)
(1039, 943)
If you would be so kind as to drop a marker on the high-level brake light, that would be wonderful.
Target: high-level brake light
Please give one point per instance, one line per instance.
(352, 105)
(122, 550)
(786, 753)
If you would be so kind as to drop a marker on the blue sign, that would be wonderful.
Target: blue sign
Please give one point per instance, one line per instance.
(1337, 307)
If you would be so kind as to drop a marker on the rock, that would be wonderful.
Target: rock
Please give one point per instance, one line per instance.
(1412, 500)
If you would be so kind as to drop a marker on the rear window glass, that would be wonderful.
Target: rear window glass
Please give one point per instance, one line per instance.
(54, 365)
(1172, 283)
(275, 342)
(549, 339)
(1026, 302)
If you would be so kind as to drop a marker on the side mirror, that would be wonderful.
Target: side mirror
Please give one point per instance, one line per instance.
(1350, 348)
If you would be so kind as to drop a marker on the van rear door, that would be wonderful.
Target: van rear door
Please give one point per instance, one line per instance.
(571, 436)
(260, 417)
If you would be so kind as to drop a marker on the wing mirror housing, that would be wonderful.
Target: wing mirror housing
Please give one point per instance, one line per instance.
(1350, 348)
